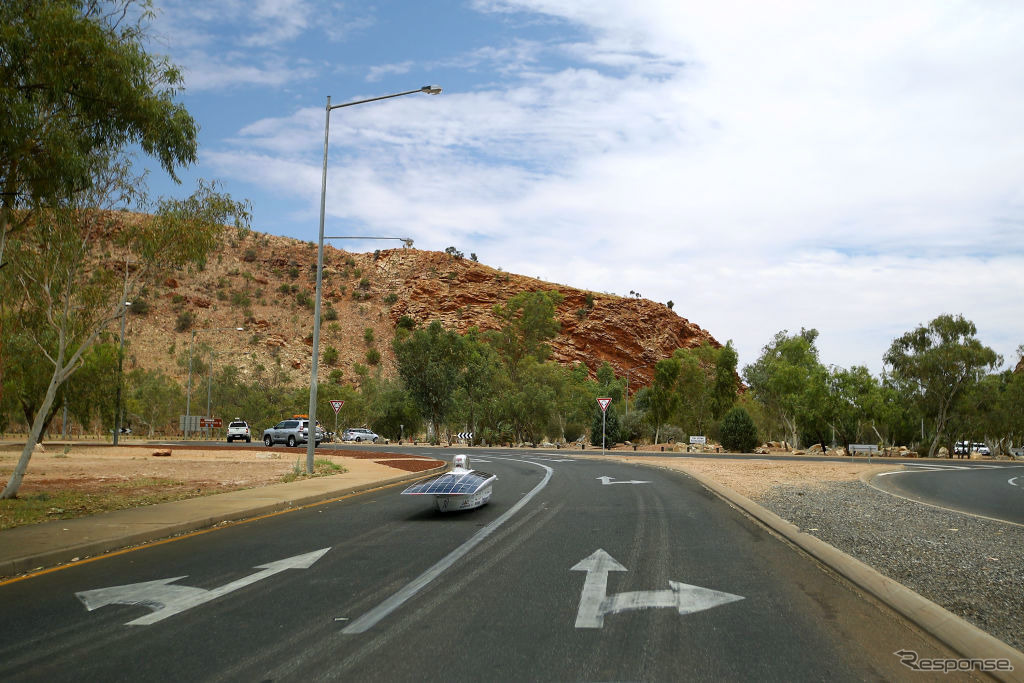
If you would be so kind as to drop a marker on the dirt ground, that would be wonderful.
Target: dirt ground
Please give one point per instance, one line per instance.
(752, 478)
(97, 468)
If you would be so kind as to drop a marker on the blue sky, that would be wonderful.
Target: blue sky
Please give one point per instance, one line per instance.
(853, 167)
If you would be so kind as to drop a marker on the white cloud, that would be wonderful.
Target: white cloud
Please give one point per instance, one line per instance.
(853, 168)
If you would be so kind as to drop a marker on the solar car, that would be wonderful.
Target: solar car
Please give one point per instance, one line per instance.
(460, 488)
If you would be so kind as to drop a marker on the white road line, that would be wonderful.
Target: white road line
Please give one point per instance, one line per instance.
(370, 619)
(1013, 481)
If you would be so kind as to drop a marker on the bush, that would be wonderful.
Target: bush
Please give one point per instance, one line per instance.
(611, 428)
(331, 314)
(406, 323)
(303, 299)
(368, 335)
(330, 355)
(373, 356)
(574, 431)
(250, 255)
(739, 435)
(139, 307)
(184, 322)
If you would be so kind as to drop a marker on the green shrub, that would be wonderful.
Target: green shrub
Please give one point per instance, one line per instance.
(373, 356)
(139, 307)
(611, 428)
(303, 299)
(184, 321)
(368, 335)
(739, 435)
(390, 298)
(293, 272)
(330, 314)
(330, 355)
(406, 323)
(250, 255)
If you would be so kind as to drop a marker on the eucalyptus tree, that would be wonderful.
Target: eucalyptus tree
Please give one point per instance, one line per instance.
(781, 375)
(939, 362)
(76, 88)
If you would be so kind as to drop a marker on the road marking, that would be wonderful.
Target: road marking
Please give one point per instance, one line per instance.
(605, 481)
(166, 600)
(595, 602)
(1013, 481)
(370, 619)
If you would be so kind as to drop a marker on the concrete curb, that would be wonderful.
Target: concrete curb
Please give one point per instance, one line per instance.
(113, 531)
(959, 635)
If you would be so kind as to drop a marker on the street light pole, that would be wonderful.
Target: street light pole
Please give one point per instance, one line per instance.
(314, 365)
(188, 395)
(120, 370)
(120, 355)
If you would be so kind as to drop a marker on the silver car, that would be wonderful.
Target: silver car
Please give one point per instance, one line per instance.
(291, 432)
(359, 434)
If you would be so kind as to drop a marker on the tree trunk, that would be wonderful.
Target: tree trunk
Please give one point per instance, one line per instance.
(11, 490)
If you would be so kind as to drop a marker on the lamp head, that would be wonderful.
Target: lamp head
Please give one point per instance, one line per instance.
(407, 241)
(431, 89)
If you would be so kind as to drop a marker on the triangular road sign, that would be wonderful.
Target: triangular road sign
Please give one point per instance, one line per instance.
(337, 406)
(603, 402)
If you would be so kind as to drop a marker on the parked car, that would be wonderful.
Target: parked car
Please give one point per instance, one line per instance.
(239, 429)
(359, 434)
(966, 447)
(291, 432)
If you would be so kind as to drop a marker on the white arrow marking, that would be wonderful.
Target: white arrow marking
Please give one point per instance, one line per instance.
(595, 602)
(605, 481)
(166, 600)
(1012, 482)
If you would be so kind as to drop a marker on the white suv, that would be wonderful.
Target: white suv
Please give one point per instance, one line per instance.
(239, 429)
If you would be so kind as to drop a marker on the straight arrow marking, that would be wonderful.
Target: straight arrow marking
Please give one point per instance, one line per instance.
(595, 602)
(167, 600)
(605, 481)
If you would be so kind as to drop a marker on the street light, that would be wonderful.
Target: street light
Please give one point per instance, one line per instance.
(120, 356)
(628, 370)
(188, 395)
(311, 441)
(120, 370)
(209, 376)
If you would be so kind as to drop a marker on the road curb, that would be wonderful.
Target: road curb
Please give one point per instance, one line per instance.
(272, 502)
(961, 636)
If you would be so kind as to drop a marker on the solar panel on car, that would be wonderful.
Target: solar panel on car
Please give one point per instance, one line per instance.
(452, 483)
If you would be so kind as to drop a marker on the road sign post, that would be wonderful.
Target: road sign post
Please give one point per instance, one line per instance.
(604, 403)
(336, 404)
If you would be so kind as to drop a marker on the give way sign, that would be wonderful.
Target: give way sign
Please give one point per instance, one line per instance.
(603, 402)
(337, 406)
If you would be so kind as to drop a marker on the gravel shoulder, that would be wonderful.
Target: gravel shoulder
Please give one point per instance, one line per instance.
(971, 566)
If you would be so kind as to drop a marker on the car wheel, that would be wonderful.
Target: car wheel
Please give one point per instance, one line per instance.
(375, 439)
(229, 439)
(359, 439)
(268, 441)
(248, 440)
(291, 442)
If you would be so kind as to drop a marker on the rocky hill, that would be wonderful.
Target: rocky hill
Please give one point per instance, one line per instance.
(265, 284)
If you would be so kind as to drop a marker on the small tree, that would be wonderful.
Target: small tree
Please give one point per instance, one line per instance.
(739, 434)
(612, 431)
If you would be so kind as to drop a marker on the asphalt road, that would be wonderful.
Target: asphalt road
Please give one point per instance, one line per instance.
(994, 490)
(564, 575)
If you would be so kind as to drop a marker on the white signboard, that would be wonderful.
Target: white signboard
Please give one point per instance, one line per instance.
(337, 406)
(699, 439)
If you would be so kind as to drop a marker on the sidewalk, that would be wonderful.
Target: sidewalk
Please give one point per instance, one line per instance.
(37, 546)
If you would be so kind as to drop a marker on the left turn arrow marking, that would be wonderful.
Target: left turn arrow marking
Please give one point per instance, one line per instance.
(167, 600)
